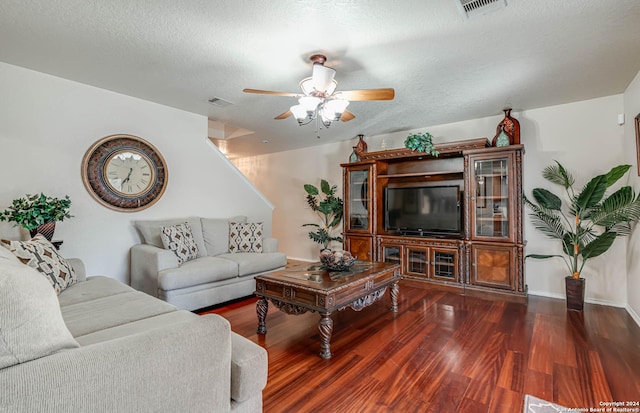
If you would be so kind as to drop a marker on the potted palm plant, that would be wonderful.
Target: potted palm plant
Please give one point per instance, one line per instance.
(37, 213)
(329, 208)
(587, 225)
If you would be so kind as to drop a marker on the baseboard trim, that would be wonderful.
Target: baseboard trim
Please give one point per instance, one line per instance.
(633, 314)
(627, 307)
(547, 294)
(603, 302)
(300, 259)
(586, 300)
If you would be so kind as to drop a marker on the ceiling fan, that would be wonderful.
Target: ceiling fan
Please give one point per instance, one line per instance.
(319, 99)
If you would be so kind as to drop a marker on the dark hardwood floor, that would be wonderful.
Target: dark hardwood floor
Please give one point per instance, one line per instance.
(443, 352)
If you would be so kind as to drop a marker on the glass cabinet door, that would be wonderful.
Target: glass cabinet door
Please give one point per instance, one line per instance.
(358, 199)
(491, 180)
(392, 254)
(443, 264)
(417, 261)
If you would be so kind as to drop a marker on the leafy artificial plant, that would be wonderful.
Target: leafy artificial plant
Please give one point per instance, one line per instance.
(421, 143)
(329, 209)
(31, 211)
(590, 222)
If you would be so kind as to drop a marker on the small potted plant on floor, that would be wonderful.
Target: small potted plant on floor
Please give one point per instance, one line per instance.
(329, 208)
(587, 225)
(421, 142)
(37, 213)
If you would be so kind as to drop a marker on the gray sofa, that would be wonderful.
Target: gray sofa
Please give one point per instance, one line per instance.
(214, 277)
(101, 346)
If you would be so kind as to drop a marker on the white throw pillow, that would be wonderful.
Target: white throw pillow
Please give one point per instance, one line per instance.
(7, 256)
(179, 239)
(40, 254)
(245, 237)
(31, 324)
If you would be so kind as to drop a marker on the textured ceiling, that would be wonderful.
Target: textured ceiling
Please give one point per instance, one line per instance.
(444, 68)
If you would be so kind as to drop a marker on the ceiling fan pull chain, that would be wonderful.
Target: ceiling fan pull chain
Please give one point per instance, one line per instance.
(318, 127)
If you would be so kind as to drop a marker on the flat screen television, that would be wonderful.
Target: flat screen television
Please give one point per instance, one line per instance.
(424, 210)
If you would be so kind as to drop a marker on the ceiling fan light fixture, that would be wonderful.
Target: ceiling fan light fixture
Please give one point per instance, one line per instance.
(306, 109)
(322, 78)
(310, 87)
(334, 108)
(299, 113)
(310, 103)
(306, 85)
(320, 102)
(326, 119)
(331, 88)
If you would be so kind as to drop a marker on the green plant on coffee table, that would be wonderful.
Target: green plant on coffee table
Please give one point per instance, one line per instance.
(590, 222)
(329, 209)
(31, 211)
(421, 143)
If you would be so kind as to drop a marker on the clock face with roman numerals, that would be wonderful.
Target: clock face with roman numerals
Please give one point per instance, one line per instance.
(124, 172)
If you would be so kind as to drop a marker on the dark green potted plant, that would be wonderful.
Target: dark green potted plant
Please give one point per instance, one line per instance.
(37, 213)
(329, 209)
(587, 225)
(421, 143)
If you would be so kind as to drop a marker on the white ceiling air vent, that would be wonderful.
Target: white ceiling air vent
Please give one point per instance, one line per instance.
(219, 102)
(475, 8)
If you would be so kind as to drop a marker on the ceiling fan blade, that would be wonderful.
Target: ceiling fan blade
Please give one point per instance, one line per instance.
(347, 116)
(283, 115)
(366, 94)
(270, 92)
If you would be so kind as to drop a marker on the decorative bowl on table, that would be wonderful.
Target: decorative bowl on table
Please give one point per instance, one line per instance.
(337, 260)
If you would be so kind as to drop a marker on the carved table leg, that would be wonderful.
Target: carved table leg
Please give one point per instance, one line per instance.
(394, 297)
(262, 306)
(326, 329)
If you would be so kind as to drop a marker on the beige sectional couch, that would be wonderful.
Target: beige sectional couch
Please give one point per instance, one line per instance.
(101, 346)
(216, 275)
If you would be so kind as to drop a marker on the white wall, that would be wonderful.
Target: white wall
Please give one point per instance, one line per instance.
(632, 109)
(586, 139)
(583, 136)
(281, 177)
(46, 126)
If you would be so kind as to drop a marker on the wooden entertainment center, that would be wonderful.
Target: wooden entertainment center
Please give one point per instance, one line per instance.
(486, 258)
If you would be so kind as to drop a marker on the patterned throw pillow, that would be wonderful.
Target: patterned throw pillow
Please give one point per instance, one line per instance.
(245, 237)
(40, 254)
(179, 239)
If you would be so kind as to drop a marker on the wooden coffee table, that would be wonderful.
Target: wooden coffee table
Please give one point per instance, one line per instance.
(306, 287)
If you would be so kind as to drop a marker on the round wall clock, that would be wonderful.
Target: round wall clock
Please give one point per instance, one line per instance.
(124, 173)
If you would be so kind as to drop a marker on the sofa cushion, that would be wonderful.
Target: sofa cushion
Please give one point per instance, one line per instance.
(251, 263)
(106, 312)
(40, 254)
(150, 231)
(245, 237)
(136, 327)
(205, 295)
(96, 286)
(201, 271)
(179, 239)
(216, 233)
(31, 325)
